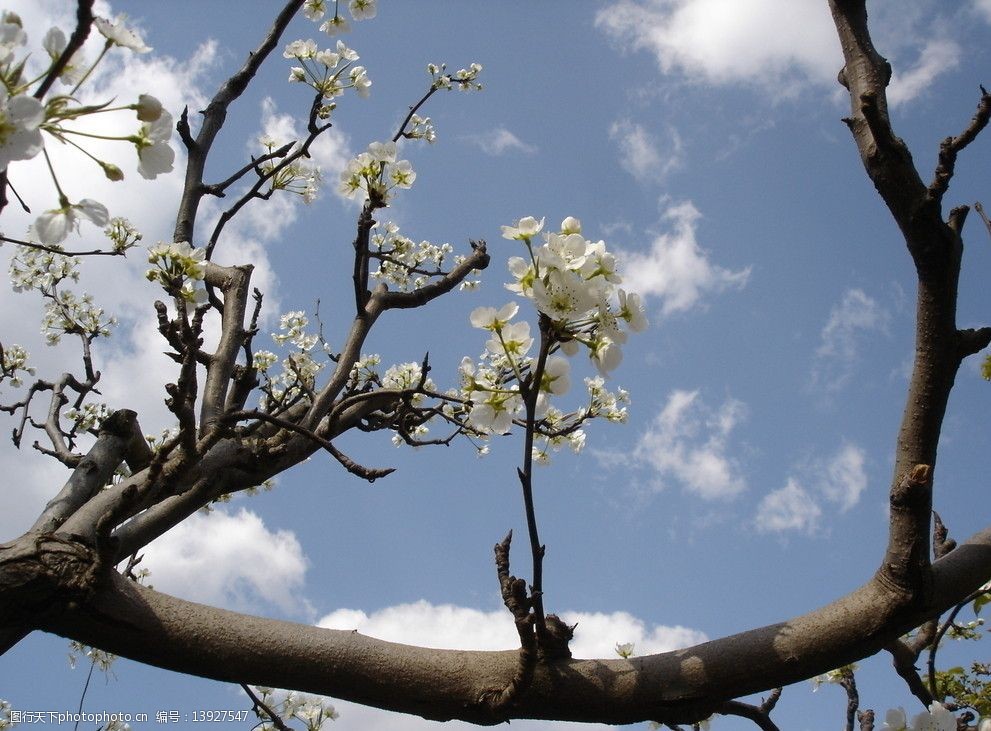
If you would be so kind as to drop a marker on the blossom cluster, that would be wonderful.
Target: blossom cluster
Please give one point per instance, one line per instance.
(360, 10)
(24, 119)
(297, 177)
(404, 263)
(313, 712)
(299, 368)
(936, 718)
(572, 283)
(328, 71)
(65, 311)
(178, 268)
(463, 80)
(13, 362)
(376, 172)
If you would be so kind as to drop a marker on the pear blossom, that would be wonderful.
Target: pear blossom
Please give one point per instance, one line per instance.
(20, 136)
(513, 340)
(52, 227)
(118, 35)
(12, 35)
(149, 109)
(54, 43)
(333, 26)
(488, 318)
(314, 9)
(360, 81)
(557, 376)
(382, 151)
(301, 49)
(362, 9)
(631, 309)
(524, 229)
(494, 415)
(563, 295)
(571, 225)
(606, 355)
(895, 720)
(155, 155)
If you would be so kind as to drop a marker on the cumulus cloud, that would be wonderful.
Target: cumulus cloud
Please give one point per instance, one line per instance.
(843, 477)
(230, 560)
(688, 442)
(499, 141)
(676, 269)
(640, 153)
(779, 46)
(856, 316)
(938, 56)
(839, 479)
(462, 628)
(776, 44)
(790, 508)
(454, 627)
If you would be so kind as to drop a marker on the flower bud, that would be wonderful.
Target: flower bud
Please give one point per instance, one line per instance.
(149, 108)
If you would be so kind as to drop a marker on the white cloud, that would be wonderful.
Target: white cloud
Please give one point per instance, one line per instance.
(856, 315)
(790, 508)
(780, 46)
(688, 442)
(462, 628)
(984, 7)
(840, 479)
(639, 152)
(843, 477)
(776, 44)
(229, 560)
(677, 269)
(938, 56)
(429, 625)
(499, 141)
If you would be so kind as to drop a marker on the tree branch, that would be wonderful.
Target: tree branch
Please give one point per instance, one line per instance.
(673, 687)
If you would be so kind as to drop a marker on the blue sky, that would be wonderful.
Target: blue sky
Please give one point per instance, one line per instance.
(702, 140)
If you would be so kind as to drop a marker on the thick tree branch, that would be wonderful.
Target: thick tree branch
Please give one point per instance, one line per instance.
(120, 436)
(234, 282)
(674, 687)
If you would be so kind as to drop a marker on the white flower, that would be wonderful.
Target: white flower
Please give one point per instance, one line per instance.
(524, 229)
(495, 414)
(362, 9)
(314, 9)
(155, 155)
(402, 175)
(52, 227)
(557, 376)
(12, 35)
(514, 340)
(118, 35)
(301, 49)
(894, 720)
(335, 25)
(631, 310)
(54, 43)
(360, 81)
(572, 225)
(606, 355)
(937, 718)
(149, 109)
(563, 295)
(488, 318)
(624, 650)
(382, 151)
(20, 117)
